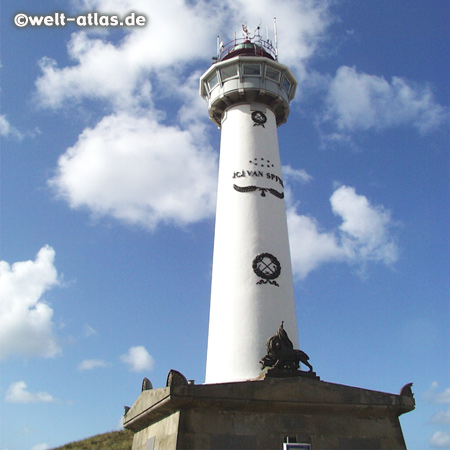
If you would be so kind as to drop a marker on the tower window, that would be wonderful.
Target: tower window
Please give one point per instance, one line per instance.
(286, 84)
(273, 74)
(252, 70)
(213, 82)
(228, 72)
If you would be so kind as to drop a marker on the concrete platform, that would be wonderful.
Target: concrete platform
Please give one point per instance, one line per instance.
(264, 413)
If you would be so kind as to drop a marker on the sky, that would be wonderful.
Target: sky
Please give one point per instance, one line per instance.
(108, 184)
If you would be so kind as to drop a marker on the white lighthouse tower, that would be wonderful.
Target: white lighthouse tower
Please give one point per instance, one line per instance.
(248, 93)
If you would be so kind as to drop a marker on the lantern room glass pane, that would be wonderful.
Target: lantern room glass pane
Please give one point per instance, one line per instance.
(229, 72)
(252, 70)
(273, 74)
(286, 84)
(213, 81)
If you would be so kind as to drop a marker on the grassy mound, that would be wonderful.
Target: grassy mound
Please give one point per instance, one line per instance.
(116, 440)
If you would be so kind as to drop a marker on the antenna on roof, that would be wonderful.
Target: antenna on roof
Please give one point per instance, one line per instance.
(276, 36)
(258, 28)
(246, 32)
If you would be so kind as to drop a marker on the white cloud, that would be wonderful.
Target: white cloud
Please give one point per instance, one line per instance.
(440, 439)
(437, 397)
(17, 393)
(89, 364)
(7, 130)
(443, 397)
(177, 33)
(364, 235)
(365, 228)
(136, 170)
(310, 247)
(26, 326)
(301, 26)
(89, 331)
(138, 359)
(441, 417)
(132, 165)
(41, 447)
(299, 175)
(358, 101)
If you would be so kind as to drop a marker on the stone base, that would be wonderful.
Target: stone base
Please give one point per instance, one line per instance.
(277, 373)
(262, 414)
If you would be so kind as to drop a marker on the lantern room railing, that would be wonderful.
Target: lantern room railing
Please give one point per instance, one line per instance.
(247, 46)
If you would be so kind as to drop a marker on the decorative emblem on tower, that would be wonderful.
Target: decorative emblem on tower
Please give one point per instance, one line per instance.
(259, 118)
(262, 190)
(267, 267)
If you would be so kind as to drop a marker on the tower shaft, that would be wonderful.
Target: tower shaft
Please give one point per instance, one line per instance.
(252, 292)
(252, 287)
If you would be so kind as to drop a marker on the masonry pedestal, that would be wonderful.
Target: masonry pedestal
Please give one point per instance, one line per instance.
(264, 413)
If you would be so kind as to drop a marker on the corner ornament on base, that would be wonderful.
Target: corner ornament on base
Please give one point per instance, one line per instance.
(282, 360)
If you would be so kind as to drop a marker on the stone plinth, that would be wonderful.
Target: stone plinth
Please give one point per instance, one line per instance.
(260, 414)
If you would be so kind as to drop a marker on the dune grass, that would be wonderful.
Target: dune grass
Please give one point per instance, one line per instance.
(115, 440)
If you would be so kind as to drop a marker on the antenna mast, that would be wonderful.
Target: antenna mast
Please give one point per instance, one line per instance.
(276, 36)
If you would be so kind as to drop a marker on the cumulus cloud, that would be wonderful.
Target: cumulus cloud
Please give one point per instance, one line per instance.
(138, 164)
(89, 364)
(441, 418)
(440, 439)
(138, 359)
(177, 33)
(139, 172)
(299, 175)
(435, 396)
(17, 393)
(301, 26)
(89, 331)
(358, 101)
(365, 229)
(26, 326)
(7, 130)
(41, 447)
(363, 236)
(310, 246)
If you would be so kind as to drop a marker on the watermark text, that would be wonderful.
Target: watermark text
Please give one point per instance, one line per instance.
(92, 19)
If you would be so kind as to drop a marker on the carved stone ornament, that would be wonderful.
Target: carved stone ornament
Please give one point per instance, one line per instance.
(146, 385)
(282, 355)
(175, 378)
(406, 390)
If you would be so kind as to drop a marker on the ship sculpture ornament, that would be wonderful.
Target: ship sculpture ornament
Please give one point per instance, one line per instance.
(281, 354)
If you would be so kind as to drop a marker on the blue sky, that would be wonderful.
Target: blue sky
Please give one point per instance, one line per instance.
(108, 178)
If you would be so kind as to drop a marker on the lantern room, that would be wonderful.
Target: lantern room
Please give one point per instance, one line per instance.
(246, 70)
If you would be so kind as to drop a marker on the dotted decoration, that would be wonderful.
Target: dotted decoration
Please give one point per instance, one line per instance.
(261, 162)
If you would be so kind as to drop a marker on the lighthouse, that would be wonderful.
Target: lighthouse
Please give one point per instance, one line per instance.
(252, 294)
(248, 94)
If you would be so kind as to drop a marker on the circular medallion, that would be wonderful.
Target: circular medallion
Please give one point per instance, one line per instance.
(266, 266)
(259, 118)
